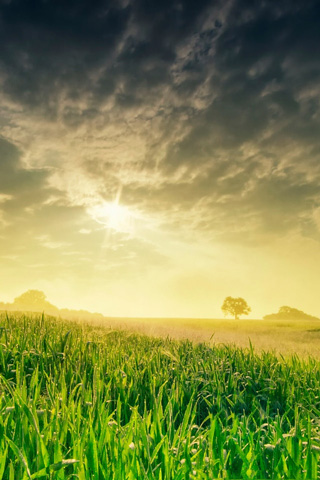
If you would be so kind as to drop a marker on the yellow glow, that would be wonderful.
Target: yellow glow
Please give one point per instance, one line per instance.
(113, 216)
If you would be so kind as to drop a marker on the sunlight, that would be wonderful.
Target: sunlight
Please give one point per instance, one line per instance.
(113, 216)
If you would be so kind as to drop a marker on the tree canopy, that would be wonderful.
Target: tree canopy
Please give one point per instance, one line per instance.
(235, 306)
(36, 301)
(33, 300)
(289, 313)
(31, 297)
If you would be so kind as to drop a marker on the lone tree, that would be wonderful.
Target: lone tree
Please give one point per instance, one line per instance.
(236, 307)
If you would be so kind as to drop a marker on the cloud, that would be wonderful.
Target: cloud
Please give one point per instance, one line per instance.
(19, 185)
(202, 111)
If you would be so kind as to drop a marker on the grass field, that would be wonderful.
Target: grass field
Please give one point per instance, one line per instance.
(87, 402)
(281, 336)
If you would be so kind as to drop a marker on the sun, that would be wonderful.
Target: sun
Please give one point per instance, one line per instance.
(113, 216)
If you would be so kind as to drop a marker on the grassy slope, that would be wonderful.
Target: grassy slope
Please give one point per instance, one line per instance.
(285, 337)
(102, 404)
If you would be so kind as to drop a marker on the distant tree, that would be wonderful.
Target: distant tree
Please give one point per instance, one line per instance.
(33, 300)
(235, 306)
(289, 313)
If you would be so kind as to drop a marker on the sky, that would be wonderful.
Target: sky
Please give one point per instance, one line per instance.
(156, 157)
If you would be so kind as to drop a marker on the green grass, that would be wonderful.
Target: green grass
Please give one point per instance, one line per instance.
(86, 402)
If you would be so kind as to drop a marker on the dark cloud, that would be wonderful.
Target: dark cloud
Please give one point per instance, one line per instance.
(104, 47)
(49, 47)
(29, 199)
(18, 181)
(90, 47)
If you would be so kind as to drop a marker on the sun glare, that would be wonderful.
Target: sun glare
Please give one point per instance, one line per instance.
(113, 216)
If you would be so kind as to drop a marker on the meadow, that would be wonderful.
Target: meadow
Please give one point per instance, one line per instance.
(285, 337)
(88, 402)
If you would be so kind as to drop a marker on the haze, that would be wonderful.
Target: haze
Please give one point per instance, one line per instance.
(156, 157)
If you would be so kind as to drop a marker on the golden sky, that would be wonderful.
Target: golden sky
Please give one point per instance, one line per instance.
(156, 157)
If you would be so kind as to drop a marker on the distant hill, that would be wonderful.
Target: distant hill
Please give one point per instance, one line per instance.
(288, 313)
(35, 301)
